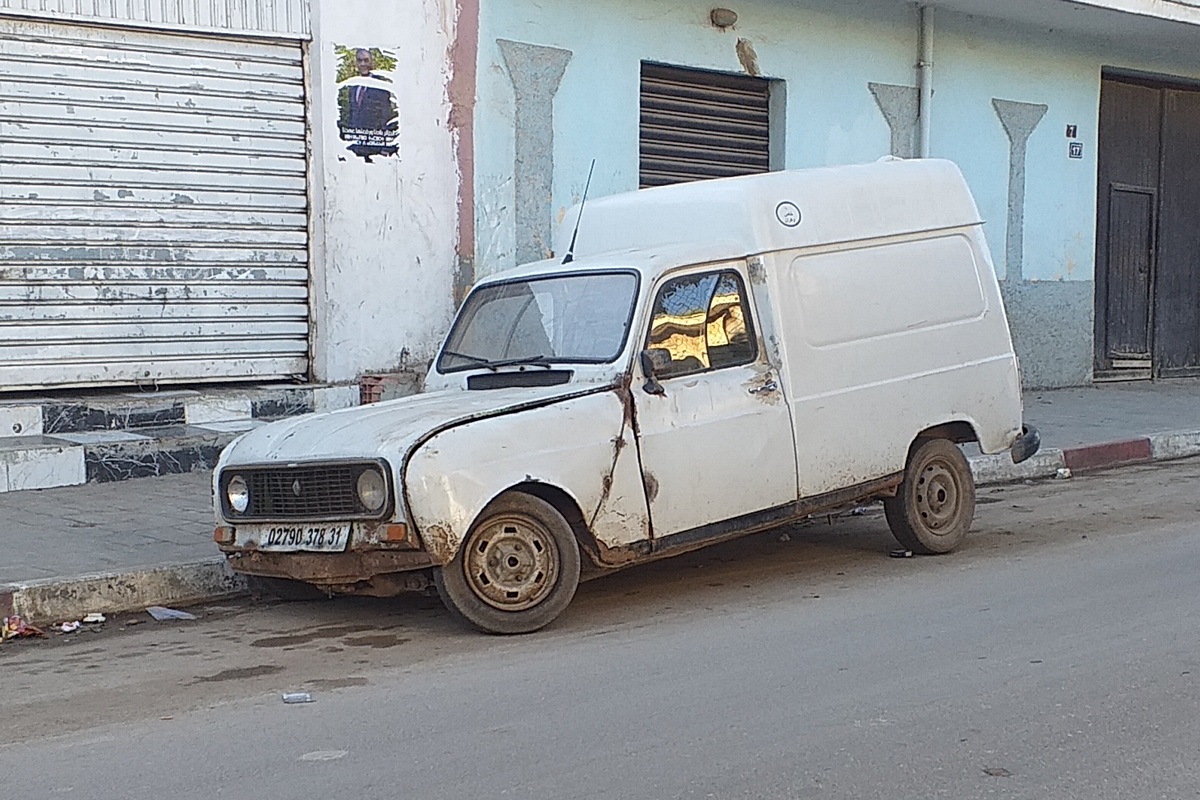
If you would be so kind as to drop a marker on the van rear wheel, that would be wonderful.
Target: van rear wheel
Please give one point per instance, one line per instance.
(935, 504)
(517, 569)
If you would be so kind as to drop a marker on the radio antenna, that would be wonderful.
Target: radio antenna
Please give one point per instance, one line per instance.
(570, 256)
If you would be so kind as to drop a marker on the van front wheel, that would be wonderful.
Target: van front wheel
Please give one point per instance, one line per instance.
(517, 569)
(932, 511)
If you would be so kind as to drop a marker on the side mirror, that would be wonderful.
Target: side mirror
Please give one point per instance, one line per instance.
(655, 360)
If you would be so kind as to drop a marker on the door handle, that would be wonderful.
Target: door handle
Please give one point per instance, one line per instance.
(766, 388)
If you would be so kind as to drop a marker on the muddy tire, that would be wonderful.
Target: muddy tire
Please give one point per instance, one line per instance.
(284, 589)
(933, 509)
(517, 569)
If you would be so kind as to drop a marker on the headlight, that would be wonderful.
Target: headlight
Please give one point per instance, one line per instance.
(237, 492)
(372, 490)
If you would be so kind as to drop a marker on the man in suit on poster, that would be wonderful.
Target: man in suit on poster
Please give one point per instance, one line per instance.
(367, 113)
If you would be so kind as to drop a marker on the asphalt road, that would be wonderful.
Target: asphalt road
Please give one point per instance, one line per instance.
(1057, 655)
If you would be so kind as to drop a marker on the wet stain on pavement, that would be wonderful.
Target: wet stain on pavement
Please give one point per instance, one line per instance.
(328, 684)
(330, 632)
(378, 641)
(82, 655)
(241, 673)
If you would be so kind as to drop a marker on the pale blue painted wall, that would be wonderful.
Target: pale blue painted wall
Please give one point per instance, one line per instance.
(828, 52)
(976, 62)
(827, 60)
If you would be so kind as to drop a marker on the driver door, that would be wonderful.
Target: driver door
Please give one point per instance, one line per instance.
(716, 443)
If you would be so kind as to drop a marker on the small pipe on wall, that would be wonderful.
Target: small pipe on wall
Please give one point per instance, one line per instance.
(925, 79)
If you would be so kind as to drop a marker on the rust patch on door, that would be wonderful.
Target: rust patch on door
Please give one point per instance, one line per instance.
(765, 387)
(622, 556)
(651, 483)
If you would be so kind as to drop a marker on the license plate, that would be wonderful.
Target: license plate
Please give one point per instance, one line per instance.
(296, 538)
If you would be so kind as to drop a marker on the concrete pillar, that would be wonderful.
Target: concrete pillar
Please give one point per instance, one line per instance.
(899, 107)
(535, 72)
(1019, 120)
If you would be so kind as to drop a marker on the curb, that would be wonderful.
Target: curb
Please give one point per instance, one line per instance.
(990, 470)
(1046, 463)
(58, 599)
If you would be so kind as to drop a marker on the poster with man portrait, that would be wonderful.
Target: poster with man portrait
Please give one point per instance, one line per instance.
(368, 115)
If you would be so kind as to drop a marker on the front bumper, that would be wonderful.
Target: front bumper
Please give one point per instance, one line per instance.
(373, 549)
(1026, 444)
(328, 569)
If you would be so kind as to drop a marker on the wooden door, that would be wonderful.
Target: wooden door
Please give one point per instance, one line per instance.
(1148, 231)
(1127, 206)
(1177, 281)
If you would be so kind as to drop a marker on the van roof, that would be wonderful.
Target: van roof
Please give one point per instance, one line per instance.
(727, 218)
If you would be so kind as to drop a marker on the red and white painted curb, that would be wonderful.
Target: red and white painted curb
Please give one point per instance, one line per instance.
(1106, 455)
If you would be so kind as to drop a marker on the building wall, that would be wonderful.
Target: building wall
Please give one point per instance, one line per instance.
(1047, 277)
(385, 229)
(1049, 291)
(549, 87)
(831, 116)
(383, 233)
(986, 74)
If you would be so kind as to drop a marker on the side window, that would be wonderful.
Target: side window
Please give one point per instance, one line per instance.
(701, 322)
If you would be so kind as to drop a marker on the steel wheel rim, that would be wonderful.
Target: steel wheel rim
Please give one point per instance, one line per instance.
(511, 563)
(937, 497)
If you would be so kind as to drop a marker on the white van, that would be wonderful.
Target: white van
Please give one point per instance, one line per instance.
(709, 359)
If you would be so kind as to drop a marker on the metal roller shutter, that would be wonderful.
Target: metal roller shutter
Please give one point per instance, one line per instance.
(697, 124)
(153, 207)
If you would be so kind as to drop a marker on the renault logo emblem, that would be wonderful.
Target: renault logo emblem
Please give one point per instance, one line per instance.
(296, 487)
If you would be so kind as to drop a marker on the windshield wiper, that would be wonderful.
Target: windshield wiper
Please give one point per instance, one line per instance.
(483, 362)
(536, 361)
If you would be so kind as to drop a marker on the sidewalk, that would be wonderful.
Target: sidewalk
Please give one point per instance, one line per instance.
(127, 545)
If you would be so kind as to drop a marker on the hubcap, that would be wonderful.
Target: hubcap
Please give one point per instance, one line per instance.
(511, 563)
(937, 497)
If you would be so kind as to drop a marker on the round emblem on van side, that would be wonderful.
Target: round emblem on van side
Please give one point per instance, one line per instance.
(788, 214)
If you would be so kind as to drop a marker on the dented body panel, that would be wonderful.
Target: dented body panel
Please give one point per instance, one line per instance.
(718, 444)
(386, 430)
(583, 446)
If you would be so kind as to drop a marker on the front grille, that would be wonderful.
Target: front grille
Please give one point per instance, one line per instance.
(305, 491)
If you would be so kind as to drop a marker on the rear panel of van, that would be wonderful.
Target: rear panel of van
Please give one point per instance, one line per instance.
(886, 339)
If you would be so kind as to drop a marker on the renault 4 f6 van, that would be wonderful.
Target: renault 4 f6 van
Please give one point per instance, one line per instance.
(708, 360)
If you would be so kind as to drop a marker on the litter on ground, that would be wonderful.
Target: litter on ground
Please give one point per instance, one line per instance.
(13, 627)
(161, 613)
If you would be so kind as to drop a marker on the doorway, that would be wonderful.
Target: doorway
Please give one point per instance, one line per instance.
(1148, 230)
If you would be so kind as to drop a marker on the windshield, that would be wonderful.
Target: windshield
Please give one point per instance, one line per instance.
(563, 318)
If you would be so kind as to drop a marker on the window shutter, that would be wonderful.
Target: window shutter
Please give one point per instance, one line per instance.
(697, 124)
